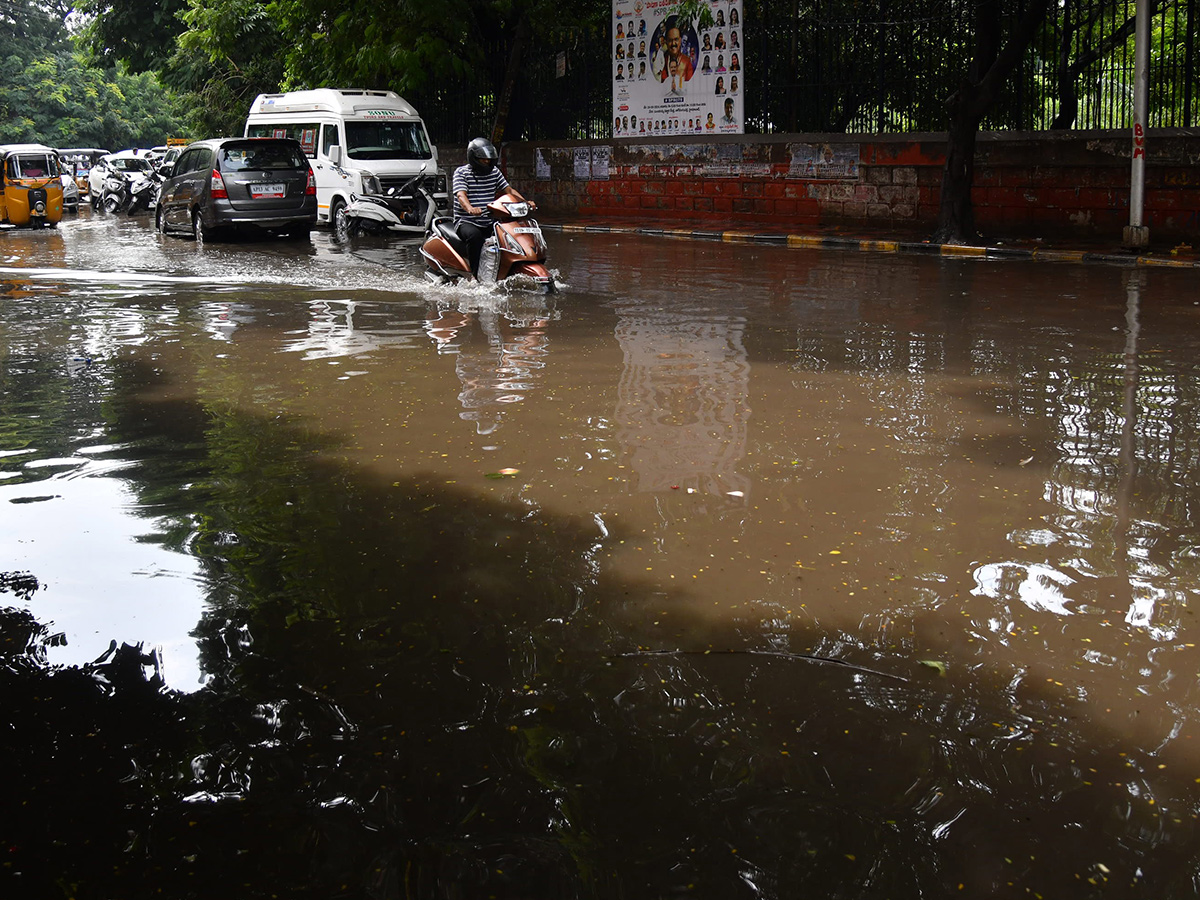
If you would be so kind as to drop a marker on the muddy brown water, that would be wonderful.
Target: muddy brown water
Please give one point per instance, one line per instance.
(728, 571)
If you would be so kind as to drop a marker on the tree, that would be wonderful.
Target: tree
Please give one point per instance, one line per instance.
(140, 33)
(220, 66)
(474, 52)
(976, 94)
(54, 95)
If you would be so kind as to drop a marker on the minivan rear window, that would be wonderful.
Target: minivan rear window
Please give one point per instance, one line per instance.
(263, 155)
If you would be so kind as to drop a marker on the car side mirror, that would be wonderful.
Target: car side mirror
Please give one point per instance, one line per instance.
(335, 154)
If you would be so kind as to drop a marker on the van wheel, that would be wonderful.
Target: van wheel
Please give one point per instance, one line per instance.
(337, 218)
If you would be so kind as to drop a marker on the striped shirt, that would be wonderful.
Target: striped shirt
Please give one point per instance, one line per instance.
(481, 190)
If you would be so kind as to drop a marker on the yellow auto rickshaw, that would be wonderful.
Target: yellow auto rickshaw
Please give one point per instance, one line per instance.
(31, 190)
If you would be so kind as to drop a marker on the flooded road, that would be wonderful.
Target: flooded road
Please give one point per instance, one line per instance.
(728, 571)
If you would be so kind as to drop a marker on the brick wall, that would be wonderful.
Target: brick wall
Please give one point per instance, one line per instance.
(1026, 184)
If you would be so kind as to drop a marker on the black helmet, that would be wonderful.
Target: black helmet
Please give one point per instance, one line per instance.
(482, 155)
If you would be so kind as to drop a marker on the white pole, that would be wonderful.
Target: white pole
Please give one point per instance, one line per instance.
(1137, 234)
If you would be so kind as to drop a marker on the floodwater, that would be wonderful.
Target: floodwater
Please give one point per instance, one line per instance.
(728, 571)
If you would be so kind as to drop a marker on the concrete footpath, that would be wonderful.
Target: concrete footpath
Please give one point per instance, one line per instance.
(1064, 250)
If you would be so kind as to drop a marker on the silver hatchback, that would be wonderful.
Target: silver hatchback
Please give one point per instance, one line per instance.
(233, 184)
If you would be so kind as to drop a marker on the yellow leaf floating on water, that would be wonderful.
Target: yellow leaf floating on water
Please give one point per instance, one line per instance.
(937, 665)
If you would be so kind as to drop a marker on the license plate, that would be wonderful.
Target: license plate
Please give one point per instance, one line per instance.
(533, 230)
(266, 191)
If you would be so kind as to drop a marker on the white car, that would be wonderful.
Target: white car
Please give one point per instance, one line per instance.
(70, 193)
(169, 157)
(156, 154)
(125, 161)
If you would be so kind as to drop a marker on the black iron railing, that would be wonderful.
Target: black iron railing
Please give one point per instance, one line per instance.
(866, 66)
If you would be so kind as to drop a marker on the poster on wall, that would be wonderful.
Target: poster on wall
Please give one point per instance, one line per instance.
(670, 76)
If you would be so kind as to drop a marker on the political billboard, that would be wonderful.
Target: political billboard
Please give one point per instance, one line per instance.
(671, 76)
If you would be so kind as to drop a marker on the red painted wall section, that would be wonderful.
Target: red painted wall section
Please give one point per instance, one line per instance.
(1026, 184)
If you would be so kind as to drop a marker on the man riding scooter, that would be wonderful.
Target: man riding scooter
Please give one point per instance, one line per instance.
(476, 185)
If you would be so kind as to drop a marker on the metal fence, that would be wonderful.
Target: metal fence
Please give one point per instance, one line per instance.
(867, 66)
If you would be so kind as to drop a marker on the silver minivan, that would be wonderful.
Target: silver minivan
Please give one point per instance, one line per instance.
(226, 185)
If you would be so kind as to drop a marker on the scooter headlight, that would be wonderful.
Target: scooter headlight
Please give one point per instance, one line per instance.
(517, 210)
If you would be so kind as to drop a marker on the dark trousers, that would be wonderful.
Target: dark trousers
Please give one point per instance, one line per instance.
(473, 236)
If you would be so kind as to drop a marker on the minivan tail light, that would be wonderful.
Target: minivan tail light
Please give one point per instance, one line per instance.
(216, 186)
(310, 190)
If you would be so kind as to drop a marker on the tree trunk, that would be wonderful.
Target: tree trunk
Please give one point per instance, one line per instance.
(990, 68)
(956, 216)
(504, 101)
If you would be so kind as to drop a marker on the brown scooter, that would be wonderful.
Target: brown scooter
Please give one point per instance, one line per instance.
(516, 247)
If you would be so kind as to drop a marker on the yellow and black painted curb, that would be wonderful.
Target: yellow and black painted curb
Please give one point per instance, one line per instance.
(923, 248)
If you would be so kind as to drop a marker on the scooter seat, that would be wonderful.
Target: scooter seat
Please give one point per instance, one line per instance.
(445, 230)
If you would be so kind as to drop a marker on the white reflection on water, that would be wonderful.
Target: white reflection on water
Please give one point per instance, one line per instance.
(1038, 586)
(117, 586)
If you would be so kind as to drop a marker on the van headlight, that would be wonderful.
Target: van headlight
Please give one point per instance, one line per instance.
(370, 184)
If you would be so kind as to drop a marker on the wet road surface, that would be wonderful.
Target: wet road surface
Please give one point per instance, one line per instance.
(726, 571)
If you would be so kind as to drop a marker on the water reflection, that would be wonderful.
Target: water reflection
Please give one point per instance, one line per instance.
(683, 400)
(945, 628)
(332, 333)
(499, 342)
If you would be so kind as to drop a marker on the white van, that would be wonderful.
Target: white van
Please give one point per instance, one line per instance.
(359, 141)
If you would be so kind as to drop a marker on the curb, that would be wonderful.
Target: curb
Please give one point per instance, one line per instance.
(805, 241)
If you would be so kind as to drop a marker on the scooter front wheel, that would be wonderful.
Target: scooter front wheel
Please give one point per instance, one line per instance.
(538, 274)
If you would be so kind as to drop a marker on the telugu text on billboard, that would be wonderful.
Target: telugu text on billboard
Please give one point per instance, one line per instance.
(670, 76)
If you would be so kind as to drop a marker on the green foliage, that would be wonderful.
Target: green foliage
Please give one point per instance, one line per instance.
(219, 65)
(140, 33)
(697, 11)
(60, 100)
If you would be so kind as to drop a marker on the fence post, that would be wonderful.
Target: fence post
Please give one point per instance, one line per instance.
(1137, 235)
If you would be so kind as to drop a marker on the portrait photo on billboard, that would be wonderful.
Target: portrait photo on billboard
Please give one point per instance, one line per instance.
(676, 50)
